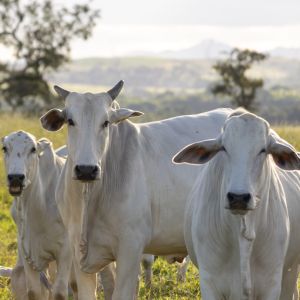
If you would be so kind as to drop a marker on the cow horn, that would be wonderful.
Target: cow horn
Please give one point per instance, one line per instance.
(115, 91)
(61, 92)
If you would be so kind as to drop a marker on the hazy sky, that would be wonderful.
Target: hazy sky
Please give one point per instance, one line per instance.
(158, 25)
(199, 12)
(128, 26)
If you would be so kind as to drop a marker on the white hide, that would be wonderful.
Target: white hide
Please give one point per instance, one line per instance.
(137, 203)
(241, 250)
(41, 234)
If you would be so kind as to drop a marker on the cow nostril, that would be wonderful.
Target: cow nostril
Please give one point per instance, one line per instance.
(95, 170)
(246, 197)
(77, 169)
(16, 177)
(232, 197)
(86, 172)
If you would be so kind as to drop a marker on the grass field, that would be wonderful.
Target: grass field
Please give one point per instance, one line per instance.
(164, 285)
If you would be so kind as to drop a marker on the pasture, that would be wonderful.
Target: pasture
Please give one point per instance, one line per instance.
(164, 284)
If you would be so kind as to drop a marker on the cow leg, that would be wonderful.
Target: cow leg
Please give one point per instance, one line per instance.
(73, 283)
(35, 290)
(18, 283)
(86, 283)
(208, 289)
(128, 266)
(289, 284)
(147, 262)
(108, 275)
(64, 264)
(182, 268)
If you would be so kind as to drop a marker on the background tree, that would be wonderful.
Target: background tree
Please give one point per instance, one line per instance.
(235, 82)
(39, 34)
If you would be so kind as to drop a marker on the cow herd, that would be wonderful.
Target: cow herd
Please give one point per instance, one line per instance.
(221, 187)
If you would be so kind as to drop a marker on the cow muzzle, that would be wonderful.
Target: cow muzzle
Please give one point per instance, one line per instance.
(239, 203)
(86, 172)
(15, 183)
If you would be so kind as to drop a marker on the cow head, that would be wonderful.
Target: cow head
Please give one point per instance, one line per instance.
(89, 118)
(245, 145)
(21, 154)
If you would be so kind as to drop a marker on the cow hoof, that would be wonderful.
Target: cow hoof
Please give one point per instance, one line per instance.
(59, 297)
(31, 295)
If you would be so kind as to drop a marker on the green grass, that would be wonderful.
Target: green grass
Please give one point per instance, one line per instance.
(164, 284)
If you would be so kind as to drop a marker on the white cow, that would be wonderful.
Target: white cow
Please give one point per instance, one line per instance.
(33, 170)
(242, 216)
(133, 197)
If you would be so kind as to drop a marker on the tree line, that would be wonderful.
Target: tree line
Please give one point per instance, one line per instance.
(39, 36)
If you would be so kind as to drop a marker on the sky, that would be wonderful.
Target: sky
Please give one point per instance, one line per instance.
(135, 26)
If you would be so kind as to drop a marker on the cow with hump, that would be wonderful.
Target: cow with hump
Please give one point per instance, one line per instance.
(32, 169)
(119, 194)
(242, 215)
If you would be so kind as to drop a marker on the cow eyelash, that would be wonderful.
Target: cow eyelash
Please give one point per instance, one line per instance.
(70, 122)
(105, 124)
(262, 151)
(4, 149)
(223, 149)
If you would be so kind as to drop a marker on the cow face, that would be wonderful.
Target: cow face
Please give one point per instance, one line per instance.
(21, 158)
(245, 143)
(89, 118)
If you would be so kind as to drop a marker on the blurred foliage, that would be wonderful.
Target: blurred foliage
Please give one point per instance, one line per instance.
(39, 34)
(235, 82)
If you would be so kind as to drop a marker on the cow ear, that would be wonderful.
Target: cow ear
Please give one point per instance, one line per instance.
(122, 114)
(198, 153)
(284, 155)
(42, 145)
(53, 120)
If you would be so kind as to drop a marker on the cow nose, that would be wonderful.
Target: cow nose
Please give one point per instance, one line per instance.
(86, 172)
(234, 198)
(18, 178)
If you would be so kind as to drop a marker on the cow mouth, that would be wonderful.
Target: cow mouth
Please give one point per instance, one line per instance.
(239, 208)
(85, 179)
(15, 189)
(241, 212)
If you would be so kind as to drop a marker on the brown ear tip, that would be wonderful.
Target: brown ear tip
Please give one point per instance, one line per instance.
(176, 159)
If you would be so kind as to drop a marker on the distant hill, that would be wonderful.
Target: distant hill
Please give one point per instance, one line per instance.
(212, 49)
(207, 49)
(153, 73)
(291, 53)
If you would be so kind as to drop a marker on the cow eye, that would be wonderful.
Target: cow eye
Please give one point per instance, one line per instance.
(70, 122)
(4, 149)
(223, 149)
(33, 150)
(105, 124)
(262, 151)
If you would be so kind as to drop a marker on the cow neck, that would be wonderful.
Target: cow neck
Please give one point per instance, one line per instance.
(29, 205)
(113, 172)
(248, 225)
